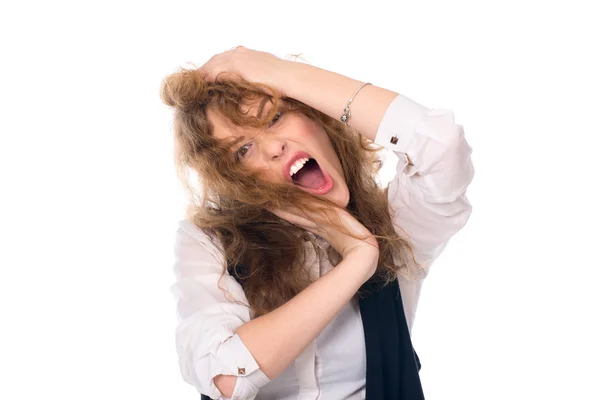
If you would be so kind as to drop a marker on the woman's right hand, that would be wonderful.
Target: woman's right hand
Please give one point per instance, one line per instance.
(341, 242)
(252, 65)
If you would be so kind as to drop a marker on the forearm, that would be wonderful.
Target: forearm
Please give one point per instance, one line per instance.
(277, 338)
(329, 92)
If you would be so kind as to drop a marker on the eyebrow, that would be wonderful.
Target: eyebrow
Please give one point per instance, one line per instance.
(231, 142)
(261, 107)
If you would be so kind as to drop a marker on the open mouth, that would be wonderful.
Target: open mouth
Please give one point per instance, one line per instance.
(310, 176)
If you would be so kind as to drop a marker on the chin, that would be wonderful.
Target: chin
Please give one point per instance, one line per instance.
(342, 198)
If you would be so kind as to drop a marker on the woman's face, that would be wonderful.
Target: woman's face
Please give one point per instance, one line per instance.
(283, 147)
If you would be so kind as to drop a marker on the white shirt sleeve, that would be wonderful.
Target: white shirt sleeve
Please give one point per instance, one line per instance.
(206, 339)
(427, 196)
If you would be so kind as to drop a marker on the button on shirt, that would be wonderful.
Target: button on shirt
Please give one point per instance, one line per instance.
(428, 204)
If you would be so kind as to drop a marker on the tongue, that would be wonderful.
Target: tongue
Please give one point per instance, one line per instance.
(310, 176)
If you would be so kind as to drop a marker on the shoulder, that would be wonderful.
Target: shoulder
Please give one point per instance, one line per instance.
(188, 227)
(189, 234)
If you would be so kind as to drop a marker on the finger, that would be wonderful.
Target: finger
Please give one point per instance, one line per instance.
(212, 71)
(286, 215)
(295, 218)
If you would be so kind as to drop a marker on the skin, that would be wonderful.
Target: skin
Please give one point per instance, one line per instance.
(270, 149)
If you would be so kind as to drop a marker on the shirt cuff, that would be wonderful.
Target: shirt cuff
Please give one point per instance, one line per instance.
(397, 128)
(239, 360)
(240, 363)
(246, 387)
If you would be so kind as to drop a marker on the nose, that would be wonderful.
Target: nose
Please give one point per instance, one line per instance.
(273, 148)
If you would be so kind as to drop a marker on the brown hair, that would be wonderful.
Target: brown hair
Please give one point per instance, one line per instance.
(230, 204)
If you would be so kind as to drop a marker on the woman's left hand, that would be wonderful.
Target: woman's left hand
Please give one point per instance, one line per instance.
(252, 65)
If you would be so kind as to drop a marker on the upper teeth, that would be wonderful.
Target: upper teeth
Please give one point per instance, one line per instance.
(298, 165)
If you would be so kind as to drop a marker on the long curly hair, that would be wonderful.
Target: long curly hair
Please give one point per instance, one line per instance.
(231, 204)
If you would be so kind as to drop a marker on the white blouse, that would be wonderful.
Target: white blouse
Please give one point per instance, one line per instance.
(428, 201)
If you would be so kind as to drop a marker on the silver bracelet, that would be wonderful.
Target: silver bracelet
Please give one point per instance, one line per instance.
(346, 115)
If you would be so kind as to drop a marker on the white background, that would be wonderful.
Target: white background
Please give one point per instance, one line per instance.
(89, 200)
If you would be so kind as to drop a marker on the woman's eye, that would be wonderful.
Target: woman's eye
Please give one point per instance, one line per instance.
(275, 118)
(241, 153)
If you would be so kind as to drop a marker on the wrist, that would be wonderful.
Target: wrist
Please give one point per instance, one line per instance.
(367, 255)
(359, 265)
